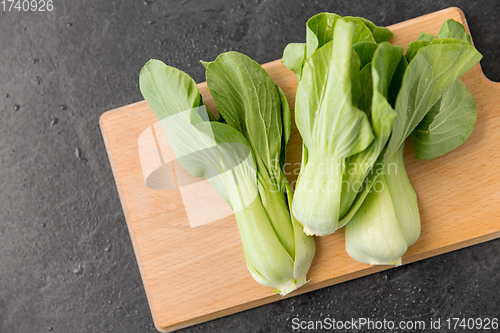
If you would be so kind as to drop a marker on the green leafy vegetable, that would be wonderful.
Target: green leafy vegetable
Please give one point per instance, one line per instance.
(319, 31)
(425, 36)
(251, 103)
(349, 76)
(436, 104)
(293, 58)
(447, 125)
(415, 46)
(332, 129)
(383, 66)
(428, 75)
(242, 159)
(380, 34)
(453, 29)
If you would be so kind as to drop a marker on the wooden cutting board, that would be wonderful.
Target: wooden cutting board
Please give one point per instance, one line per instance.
(194, 272)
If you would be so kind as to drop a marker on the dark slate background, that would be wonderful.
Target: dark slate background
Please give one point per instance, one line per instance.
(66, 260)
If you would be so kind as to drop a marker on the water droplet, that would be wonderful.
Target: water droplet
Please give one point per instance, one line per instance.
(78, 153)
(38, 80)
(50, 328)
(62, 107)
(43, 225)
(69, 24)
(78, 270)
(145, 3)
(16, 107)
(54, 121)
(35, 60)
(108, 248)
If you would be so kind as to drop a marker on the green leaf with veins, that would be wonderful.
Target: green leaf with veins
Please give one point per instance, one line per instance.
(447, 125)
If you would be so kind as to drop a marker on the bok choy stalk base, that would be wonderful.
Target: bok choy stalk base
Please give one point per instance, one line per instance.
(242, 158)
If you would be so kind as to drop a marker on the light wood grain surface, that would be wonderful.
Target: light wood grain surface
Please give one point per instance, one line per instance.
(197, 274)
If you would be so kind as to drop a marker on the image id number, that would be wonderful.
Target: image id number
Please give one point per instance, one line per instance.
(27, 5)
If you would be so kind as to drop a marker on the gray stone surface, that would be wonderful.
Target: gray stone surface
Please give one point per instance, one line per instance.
(66, 260)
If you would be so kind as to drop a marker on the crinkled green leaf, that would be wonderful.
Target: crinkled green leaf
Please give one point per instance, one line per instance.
(396, 81)
(365, 98)
(249, 101)
(178, 90)
(447, 125)
(293, 58)
(365, 50)
(381, 34)
(415, 46)
(204, 149)
(319, 31)
(324, 112)
(355, 75)
(425, 36)
(429, 74)
(361, 32)
(454, 29)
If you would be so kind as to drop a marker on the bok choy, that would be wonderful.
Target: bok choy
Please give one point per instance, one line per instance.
(342, 136)
(358, 99)
(242, 158)
(436, 109)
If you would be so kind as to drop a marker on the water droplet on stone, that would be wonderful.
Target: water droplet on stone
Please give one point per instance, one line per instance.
(43, 225)
(145, 3)
(78, 153)
(78, 270)
(69, 24)
(16, 107)
(50, 328)
(108, 248)
(54, 121)
(35, 60)
(62, 107)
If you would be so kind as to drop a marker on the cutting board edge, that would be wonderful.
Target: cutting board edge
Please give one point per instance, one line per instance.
(369, 270)
(149, 295)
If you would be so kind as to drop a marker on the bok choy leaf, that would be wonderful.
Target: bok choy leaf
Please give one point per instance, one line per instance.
(447, 125)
